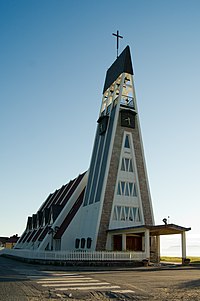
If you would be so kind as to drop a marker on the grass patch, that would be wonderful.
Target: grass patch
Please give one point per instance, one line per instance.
(179, 259)
(171, 259)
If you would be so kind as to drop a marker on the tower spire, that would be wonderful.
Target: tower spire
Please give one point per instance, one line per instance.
(118, 37)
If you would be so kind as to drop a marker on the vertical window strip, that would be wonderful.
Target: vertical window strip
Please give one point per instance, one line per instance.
(126, 209)
(134, 213)
(131, 217)
(118, 212)
(123, 165)
(126, 189)
(138, 215)
(123, 214)
(134, 190)
(122, 187)
(126, 163)
(131, 188)
(130, 165)
(127, 143)
(115, 214)
(119, 189)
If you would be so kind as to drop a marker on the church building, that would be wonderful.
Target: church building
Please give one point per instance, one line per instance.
(109, 206)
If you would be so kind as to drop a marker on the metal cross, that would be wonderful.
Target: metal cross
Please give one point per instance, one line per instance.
(117, 36)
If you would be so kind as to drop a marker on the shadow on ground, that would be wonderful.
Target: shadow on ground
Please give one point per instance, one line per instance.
(190, 284)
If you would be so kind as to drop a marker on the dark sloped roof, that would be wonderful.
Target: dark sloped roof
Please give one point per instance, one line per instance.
(21, 238)
(53, 205)
(52, 199)
(43, 234)
(121, 64)
(58, 199)
(31, 235)
(39, 217)
(55, 211)
(26, 236)
(39, 231)
(46, 201)
(29, 223)
(34, 220)
(73, 187)
(59, 194)
(70, 216)
(46, 215)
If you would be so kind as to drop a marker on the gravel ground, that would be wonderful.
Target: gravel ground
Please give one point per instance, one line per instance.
(161, 284)
(162, 294)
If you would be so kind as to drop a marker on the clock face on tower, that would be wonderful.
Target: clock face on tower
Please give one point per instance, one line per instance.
(128, 119)
(102, 121)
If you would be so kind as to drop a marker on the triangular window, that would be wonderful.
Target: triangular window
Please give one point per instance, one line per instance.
(119, 189)
(127, 143)
(126, 163)
(134, 212)
(138, 215)
(122, 187)
(126, 212)
(123, 165)
(126, 190)
(131, 188)
(118, 209)
(131, 166)
(122, 214)
(131, 217)
(115, 214)
(134, 191)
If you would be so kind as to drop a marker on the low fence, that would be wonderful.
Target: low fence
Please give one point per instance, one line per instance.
(75, 255)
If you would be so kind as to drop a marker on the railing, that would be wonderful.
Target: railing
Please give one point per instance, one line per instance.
(76, 255)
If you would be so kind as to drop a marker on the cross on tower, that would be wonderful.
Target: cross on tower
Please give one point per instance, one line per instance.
(117, 36)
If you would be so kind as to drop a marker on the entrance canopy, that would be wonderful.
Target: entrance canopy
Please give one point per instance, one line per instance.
(167, 229)
(138, 238)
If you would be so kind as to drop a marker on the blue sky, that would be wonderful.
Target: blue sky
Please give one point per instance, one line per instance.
(53, 60)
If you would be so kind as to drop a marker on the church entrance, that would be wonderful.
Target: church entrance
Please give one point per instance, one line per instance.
(117, 243)
(134, 243)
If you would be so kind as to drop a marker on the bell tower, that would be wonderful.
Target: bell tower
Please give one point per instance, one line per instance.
(117, 193)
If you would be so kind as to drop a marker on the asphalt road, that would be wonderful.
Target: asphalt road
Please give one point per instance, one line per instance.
(20, 281)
